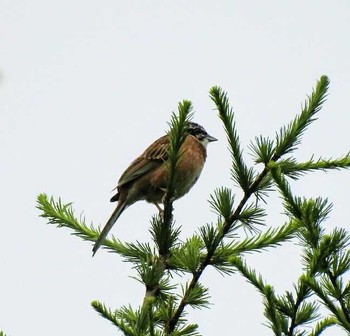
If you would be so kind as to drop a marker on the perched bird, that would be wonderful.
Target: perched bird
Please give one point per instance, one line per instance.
(146, 177)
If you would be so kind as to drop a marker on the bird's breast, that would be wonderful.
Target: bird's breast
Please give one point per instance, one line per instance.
(192, 159)
(189, 168)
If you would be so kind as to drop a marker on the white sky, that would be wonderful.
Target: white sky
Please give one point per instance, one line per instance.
(81, 79)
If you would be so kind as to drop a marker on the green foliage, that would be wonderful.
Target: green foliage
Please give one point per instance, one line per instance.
(241, 174)
(196, 296)
(188, 256)
(62, 215)
(223, 244)
(222, 202)
(291, 168)
(162, 228)
(289, 136)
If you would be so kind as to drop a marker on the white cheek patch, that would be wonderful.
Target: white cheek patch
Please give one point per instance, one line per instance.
(204, 142)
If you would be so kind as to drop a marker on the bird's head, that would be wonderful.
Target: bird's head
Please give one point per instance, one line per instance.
(200, 133)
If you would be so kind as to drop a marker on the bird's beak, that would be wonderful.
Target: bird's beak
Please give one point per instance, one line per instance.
(211, 138)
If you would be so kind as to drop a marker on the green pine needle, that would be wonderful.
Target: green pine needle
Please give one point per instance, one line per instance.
(222, 202)
(322, 325)
(188, 257)
(241, 174)
(187, 330)
(289, 137)
(262, 149)
(196, 297)
(62, 215)
(112, 317)
(291, 168)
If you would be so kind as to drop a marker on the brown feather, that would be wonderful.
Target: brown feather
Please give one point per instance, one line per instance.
(150, 159)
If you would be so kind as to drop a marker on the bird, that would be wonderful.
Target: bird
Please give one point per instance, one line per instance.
(146, 176)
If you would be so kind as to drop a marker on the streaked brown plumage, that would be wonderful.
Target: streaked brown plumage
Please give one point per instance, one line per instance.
(146, 177)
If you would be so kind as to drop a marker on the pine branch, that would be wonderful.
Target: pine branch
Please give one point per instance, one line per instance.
(319, 251)
(163, 232)
(291, 204)
(262, 150)
(112, 317)
(328, 302)
(187, 257)
(301, 312)
(285, 313)
(311, 213)
(322, 325)
(327, 262)
(132, 252)
(337, 293)
(177, 134)
(222, 202)
(187, 330)
(308, 214)
(270, 301)
(273, 237)
(289, 137)
(293, 169)
(62, 215)
(241, 174)
(225, 251)
(196, 297)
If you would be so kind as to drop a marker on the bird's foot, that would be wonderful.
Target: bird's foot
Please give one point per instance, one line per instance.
(161, 211)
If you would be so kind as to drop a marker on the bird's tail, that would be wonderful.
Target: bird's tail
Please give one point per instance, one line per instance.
(115, 215)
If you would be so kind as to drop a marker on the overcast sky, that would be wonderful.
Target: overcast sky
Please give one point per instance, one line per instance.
(85, 86)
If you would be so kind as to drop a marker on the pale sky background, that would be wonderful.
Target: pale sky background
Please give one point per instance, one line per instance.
(87, 85)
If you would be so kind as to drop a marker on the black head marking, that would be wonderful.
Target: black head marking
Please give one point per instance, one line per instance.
(197, 130)
(200, 133)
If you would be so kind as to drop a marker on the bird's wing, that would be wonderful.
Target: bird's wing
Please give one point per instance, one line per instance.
(150, 159)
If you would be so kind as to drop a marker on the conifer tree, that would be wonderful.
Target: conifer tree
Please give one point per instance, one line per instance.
(223, 245)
